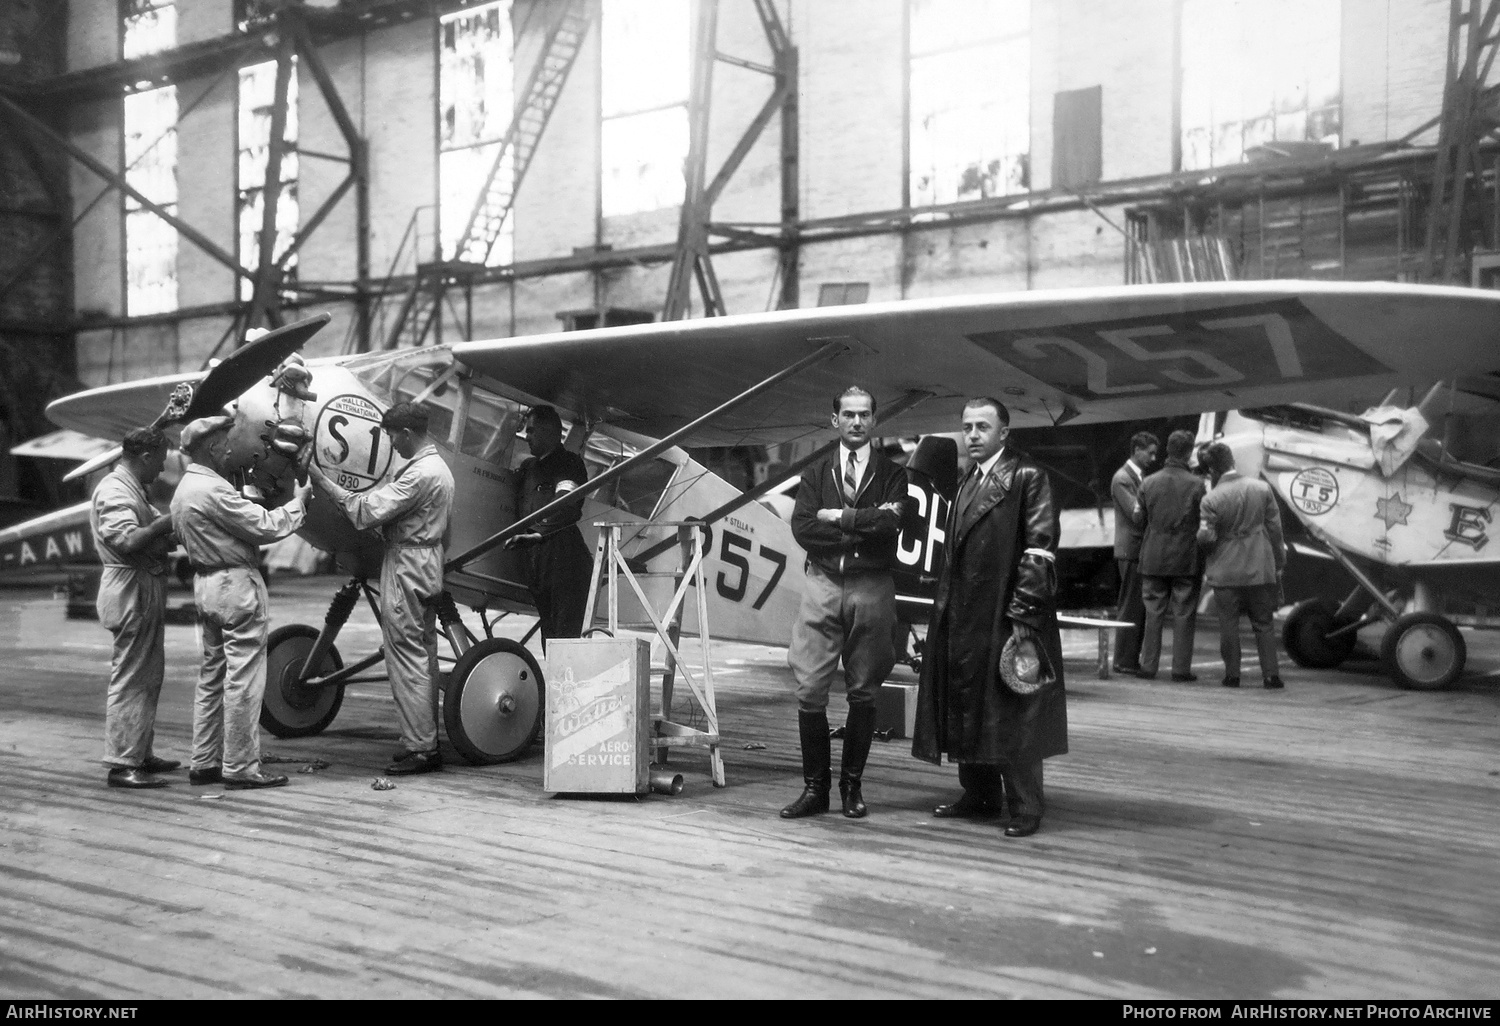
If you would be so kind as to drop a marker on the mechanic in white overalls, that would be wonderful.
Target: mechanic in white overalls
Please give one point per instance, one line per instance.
(132, 540)
(222, 532)
(412, 511)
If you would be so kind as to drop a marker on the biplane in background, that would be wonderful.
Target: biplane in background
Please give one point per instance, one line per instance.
(634, 395)
(1406, 520)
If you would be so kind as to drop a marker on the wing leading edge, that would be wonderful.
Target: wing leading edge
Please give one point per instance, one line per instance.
(1078, 355)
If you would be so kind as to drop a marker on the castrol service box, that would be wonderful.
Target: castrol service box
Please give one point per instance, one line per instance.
(598, 715)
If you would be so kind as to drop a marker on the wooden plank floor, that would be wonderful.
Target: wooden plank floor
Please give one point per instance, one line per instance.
(1340, 839)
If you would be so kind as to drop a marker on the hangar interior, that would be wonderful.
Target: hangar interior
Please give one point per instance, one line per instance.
(173, 172)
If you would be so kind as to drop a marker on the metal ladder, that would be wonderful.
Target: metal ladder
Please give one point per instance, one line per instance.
(569, 24)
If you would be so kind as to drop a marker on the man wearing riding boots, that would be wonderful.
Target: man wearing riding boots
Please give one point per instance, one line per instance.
(558, 561)
(997, 584)
(222, 532)
(412, 511)
(847, 519)
(132, 541)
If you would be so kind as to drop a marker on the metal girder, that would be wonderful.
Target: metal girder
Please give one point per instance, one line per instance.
(268, 269)
(693, 259)
(197, 238)
(1468, 116)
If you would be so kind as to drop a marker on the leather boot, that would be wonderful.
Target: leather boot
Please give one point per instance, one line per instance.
(859, 731)
(817, 774)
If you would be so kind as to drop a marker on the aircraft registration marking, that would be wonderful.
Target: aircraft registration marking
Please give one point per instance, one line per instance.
(1468, 525)
(1227, 348)
(349, 444)
(733, 550)
(1314, 491)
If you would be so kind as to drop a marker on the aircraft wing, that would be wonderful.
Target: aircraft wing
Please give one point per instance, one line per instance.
(115, 410)
(1074, 355)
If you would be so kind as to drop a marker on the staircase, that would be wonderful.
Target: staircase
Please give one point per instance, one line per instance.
(421, 307)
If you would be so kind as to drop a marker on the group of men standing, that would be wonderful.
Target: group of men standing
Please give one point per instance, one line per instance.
(996, 590)
(221, 532)
(1173, 534)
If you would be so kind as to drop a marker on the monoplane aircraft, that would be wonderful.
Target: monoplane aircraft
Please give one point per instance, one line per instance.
(634, 394)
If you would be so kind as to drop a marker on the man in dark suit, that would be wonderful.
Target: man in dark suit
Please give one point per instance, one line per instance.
(847, 519)
(1167, 514)
(997, 581)
(1241, 526)
(1125, 487)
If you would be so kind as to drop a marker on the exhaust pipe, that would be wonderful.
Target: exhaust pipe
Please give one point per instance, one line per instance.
(664, 781)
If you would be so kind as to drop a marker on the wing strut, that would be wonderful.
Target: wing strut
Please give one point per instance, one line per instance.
(827, 352)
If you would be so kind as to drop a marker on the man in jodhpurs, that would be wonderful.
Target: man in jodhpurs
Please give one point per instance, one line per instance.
(222, 532)
(412, 511)
(132, 541)
(847, 519)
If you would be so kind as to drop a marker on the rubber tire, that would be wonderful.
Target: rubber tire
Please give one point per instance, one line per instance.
(1405, 639)
(285, 647)
(1305, 635)
(481, 675)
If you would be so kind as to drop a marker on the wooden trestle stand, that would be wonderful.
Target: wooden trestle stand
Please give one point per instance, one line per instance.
(610, 566)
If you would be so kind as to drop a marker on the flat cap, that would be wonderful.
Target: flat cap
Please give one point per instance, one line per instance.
(197, 430)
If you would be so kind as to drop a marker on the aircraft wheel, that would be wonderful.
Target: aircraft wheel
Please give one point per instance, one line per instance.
(290, 709)
(493, 705)
(1423, 651)
(1305, 635)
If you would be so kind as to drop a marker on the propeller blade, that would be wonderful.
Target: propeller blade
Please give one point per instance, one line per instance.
(248, 364)
(86, 468)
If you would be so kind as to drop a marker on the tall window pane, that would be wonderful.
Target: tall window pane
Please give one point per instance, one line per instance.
(1256, 74)
(970, 80)
(256, 97)
(644, 138)
(476, 97)
(150, 130)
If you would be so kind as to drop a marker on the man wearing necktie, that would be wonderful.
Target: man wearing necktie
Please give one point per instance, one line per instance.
(997, 582)
(848, 517)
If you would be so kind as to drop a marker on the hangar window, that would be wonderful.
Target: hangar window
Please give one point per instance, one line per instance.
(969, 86)
(147, 26)
(644, 134)
(1257, 75)
(150, 129)
(256, 95)
(476, 98)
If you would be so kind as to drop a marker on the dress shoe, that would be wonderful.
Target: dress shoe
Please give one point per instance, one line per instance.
(1231, 682)
(1126, 671)
(1023, 826)
(213, 775)
(1184, 678)
(416, 762)
(967, 807)
(129, 776)
(1146, 674)
(251, 781)
(1273, 684)
(155, 765)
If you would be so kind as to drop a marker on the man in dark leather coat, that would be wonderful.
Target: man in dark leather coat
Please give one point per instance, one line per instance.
(558, 561)
(998, 579)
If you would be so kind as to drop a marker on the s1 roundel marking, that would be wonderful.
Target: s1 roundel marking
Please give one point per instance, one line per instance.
(1314, 491)
(348, 443)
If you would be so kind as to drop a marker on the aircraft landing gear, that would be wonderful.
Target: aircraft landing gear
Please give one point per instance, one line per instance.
(1316, 636)
(492, 708)
(291, 706)
(1423, 651)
